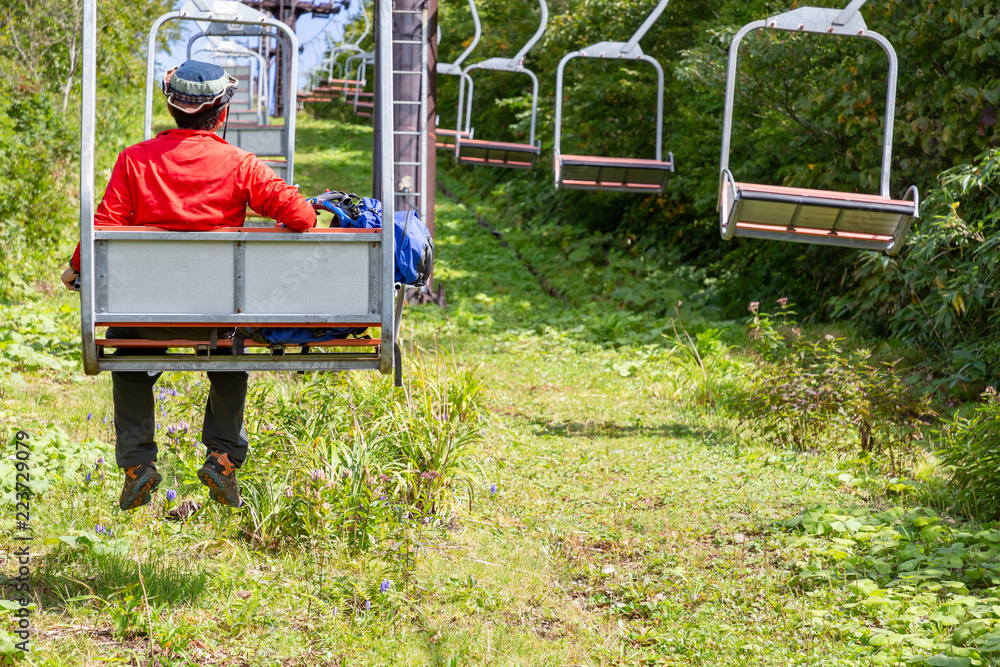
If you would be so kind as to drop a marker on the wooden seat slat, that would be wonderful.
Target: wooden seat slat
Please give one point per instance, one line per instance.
(502, 145)
(245, 230)
(230, 325)
(131, 343)
(616, 161)
(820, 194)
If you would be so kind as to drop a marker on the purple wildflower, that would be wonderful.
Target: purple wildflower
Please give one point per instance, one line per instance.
(99, 463)
(783, 301)
(493, 489)
(99, 529)
(90, 415)
(754, 305)
(87, 478)
(368, 605)
(171, 494)
(105, 419)
(385, 586)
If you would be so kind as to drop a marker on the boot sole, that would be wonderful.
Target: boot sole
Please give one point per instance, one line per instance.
(217, 488)
(141, 494)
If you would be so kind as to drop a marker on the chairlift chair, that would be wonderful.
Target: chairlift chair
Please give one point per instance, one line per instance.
(502, 153)
(779, 213)
(274, 144)
(343, 84)
(361, 99)
(589, 172)
(445, 137)
(149, 277)
(241, 105)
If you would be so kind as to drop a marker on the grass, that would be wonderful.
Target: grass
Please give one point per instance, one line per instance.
(607, 514)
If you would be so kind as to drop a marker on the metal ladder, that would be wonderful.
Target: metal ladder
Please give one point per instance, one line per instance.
(410, 45)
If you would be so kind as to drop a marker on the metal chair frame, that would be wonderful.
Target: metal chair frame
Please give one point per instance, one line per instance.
(444, 138)
(627, 173)
(228, 49)
(873, 222)
(149, 277)
(529, 151)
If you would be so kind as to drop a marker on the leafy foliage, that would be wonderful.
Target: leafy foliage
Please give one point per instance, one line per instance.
(941, 294)
(811, 391)
(916, 588)
(968, 445)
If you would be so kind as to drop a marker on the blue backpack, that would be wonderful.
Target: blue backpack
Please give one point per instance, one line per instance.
(414, 244)
(414, 263)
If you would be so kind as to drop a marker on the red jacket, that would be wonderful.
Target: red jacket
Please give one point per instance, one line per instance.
(191, 180)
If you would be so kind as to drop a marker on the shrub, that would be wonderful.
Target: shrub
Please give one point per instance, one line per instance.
(970, 446)
(813, 391)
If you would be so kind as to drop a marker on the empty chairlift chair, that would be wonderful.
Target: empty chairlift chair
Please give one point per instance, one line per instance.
(242, 110)
(502, 153)
(445, 137)
(251, 277)
(590, 172)
(866, 221)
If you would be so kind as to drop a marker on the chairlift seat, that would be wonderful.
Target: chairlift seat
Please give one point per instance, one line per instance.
(585, 172)
(444, 138)
(497, 153)
(822, 217)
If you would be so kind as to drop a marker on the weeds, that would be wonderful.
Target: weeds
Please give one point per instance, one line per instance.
(815, 392)
(968, 445)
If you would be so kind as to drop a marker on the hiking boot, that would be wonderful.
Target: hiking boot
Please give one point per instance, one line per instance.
(219, 475)
(140, 482)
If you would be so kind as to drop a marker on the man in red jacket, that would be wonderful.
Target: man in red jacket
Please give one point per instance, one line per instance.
(187, 179)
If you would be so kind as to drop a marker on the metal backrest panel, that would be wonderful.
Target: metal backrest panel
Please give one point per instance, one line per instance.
(268, 140)
(237, 276)
(290, 279)
(166, 277)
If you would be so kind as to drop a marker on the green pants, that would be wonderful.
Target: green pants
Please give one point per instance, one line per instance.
(135, 407)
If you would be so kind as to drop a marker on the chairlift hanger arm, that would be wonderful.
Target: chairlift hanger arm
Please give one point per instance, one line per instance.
(633, 41)
(519, 57)
(457, 64)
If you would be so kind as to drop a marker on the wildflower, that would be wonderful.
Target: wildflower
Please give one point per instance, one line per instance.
(111, 531)
(288, 492)
(98, 463)
(783, 301)
(99, 529)
(171, 494)
(105, 419)
(385, 586)
(493, 489)
(429, 475)
(317, 475)
(87, 478)
(368, 605)
(754, 305)
(90, 415)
